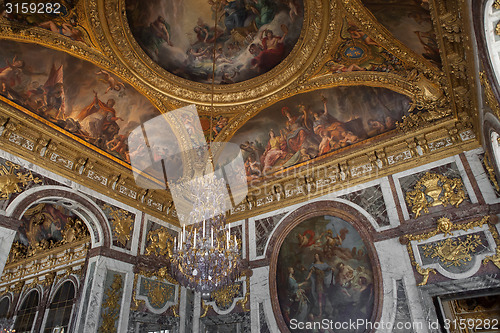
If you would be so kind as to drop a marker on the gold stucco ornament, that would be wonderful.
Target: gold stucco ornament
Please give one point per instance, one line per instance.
(122, 223)
(434, 190)
(453, 251)
(10, 181)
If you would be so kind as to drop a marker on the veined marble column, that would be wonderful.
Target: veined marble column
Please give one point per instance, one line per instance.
(8, 230)
(107, 291)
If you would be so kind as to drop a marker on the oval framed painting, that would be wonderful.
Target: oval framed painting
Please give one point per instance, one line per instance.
(324, 274)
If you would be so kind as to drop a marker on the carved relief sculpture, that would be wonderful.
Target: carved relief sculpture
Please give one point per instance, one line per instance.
(434, 190)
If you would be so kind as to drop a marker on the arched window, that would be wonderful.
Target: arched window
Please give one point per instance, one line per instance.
(4, 307)
(60, 308)
(26, 313)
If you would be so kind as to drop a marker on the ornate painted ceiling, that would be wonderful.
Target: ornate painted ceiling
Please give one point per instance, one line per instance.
(320, 95)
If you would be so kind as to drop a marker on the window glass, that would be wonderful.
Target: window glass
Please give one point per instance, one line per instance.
(60, 308)
(4, 307)
(27, 312)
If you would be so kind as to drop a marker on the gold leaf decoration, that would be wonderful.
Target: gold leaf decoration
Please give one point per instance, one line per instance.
(434, 190)
(10, 182)
(158, 293)
(453, 251)
(224, 297)
(111, 306)
(122, 222)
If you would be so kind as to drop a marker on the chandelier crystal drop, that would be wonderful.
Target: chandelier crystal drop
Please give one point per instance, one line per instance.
(206, 256)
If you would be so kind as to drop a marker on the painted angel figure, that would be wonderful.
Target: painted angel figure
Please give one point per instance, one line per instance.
(113, 84)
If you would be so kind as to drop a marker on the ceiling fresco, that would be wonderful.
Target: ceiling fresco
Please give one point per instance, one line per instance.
(313, 124)
(358, 52)
(61, 18)
(410, 22)
(336, 83)
(75, 95)
(251, 37)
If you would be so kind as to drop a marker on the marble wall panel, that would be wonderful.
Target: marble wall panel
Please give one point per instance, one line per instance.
(263, 229)
(370, 199)
(262, 320)
(88, 287)
(403, 315)
(111, 301)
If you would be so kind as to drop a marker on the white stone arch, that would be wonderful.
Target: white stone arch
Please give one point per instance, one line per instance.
(491, 18)
(78, 203)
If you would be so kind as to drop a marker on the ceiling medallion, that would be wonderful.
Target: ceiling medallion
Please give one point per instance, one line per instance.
(250, 39)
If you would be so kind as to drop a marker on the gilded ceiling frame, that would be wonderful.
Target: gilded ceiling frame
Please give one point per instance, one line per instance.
(100, 19)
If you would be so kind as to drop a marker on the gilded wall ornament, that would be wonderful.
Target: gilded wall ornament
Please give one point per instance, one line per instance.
(111, 305)
(12, 182)
(497, 29)
(158, 293)
(123, 223)
(496, 4)
(434, 190)
(245, 301)
(425, 272)
(205, 308)
(495, 259)
(491, 171)
(135, 304)
(160, 242)
(160, 274)
(453, 251)
(224, 297)
(444, 225)
(450, 252)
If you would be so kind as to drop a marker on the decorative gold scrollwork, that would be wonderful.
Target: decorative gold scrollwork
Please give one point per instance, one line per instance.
(224, 297)
(9, 181)
(425, 272)
(434, 190)
(122, 224)
(448, 250)
(491, 171)
(205, 307)
(158, 293)
(495, 259)
(244, 302)
(453, 252)
(111, 306)
(160, 242)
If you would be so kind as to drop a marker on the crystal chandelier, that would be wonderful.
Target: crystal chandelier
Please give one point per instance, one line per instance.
(206, 256)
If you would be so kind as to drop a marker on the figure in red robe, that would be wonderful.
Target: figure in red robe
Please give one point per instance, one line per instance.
(99, 118)
(271, 52)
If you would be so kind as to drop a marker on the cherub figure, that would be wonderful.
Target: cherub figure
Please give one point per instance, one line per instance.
(113, 84)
